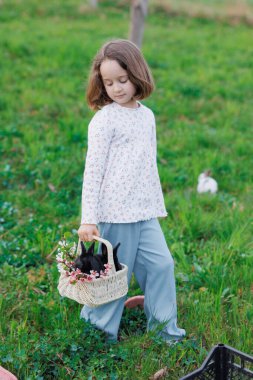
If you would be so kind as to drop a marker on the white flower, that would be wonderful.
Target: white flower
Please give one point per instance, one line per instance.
(62, 243)
(72, 250)
(59, 256)
(60, 268)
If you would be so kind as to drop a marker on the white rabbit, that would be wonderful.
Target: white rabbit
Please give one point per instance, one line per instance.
(206, 184)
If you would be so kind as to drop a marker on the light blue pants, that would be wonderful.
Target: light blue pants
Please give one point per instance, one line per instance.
(144, 250)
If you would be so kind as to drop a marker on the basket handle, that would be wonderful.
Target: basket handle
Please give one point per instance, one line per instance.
(109, 250)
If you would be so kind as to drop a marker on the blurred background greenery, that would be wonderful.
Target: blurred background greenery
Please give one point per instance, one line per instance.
(201, 56)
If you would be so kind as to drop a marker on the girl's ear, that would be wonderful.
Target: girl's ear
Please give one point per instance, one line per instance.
(91, 249)
(84, 252)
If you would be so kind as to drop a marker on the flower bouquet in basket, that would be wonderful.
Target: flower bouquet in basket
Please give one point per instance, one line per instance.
(91, 279)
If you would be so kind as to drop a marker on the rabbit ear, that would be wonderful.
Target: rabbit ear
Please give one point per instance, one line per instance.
(91, 249)
(118, 266)
(84, 252)
(104, 250)
(115, 249)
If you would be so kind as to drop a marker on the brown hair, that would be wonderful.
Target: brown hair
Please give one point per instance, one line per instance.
(130, 58)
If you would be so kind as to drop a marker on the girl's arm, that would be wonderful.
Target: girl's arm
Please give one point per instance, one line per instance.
(99, 138)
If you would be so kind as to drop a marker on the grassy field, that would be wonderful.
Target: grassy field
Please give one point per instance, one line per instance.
(204, 109)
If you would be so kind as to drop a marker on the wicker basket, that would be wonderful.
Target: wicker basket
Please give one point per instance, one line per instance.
(99, 291)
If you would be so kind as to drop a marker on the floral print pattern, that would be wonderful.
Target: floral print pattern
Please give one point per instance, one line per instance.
(121, 181)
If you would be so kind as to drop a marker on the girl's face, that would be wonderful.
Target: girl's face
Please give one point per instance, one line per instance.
(117, 83)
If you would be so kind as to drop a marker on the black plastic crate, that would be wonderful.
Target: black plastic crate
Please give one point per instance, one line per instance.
(224, 363)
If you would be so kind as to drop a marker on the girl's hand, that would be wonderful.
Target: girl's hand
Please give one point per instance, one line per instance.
(86, 231)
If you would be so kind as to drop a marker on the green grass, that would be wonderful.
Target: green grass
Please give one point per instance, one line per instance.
(203, 104)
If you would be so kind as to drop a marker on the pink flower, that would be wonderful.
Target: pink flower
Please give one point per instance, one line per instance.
(94, 273)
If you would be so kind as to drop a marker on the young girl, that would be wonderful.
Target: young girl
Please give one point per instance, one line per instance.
(122, 196)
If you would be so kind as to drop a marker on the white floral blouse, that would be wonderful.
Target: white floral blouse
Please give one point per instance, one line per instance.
(121, 181)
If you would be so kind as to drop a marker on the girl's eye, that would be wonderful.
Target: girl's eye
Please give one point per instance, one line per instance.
(121, 81)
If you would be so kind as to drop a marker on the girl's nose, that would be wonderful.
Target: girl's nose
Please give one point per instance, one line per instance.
(117, 88)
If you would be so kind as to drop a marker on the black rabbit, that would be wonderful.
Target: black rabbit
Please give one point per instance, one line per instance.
(87, 261)
(104, 256)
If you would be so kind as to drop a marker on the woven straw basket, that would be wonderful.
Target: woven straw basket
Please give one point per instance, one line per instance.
(99, 291)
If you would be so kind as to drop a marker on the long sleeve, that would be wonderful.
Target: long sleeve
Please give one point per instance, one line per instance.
(99, 137)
